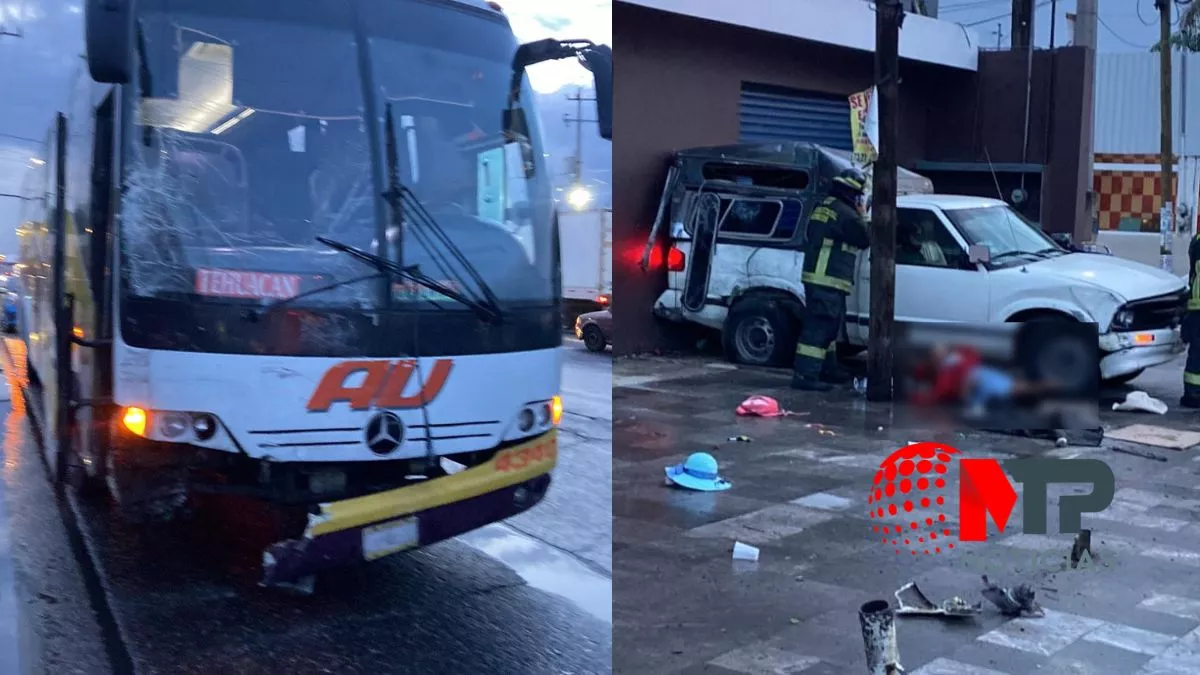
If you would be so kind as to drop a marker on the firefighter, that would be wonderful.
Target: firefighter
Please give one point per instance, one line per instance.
(836, 232)
(1191, 330)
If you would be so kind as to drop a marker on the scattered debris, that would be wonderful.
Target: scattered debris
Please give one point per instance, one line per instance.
(877, 621)
(1161, 437)
(914, 603)
(745, 552)
(820, 429)
(793, 621)
(763, 406)
(1016, 601)
(698, 472)
(1139, 453)
(1141, 401)
(1082, 545)
(741, 439)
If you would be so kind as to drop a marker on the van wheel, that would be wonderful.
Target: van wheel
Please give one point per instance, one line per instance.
(759, 332)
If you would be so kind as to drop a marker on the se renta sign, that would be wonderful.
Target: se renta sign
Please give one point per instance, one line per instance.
(908, 498)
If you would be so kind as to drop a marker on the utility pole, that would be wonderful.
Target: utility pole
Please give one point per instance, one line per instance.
(999, 35)
(1022, 23)
(578, 121)
(889, 16)
(1166, 154)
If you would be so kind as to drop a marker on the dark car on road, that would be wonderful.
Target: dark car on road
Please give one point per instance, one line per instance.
(595, 329)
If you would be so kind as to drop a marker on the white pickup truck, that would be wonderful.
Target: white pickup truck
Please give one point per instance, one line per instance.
(976, 261)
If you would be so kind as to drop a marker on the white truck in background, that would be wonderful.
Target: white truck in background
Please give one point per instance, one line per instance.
(585, 241)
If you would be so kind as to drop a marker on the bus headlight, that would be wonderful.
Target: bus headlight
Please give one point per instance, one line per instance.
(174, 424)
(204, 425)
(526, 420)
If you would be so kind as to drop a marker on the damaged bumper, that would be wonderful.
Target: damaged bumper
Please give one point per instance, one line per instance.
(1124, 353)
(378, 525)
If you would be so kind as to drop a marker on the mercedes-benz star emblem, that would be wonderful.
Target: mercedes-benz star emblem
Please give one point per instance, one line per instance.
(384, 433)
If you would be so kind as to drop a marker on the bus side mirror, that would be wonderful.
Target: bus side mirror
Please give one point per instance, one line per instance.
(598, 59)
(108, 35)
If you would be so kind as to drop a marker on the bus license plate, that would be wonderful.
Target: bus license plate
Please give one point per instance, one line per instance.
(391, 537)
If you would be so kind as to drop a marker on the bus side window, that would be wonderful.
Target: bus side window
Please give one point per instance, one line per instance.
(101, 191)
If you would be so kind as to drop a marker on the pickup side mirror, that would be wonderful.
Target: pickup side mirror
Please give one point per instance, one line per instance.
(978, 253)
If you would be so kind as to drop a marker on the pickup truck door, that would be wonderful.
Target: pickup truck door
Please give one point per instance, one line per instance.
(934, 281)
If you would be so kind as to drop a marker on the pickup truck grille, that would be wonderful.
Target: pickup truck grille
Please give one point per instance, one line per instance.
(1163, 311)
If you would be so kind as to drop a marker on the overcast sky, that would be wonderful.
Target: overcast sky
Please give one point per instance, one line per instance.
(36, 70)
(1125, 25)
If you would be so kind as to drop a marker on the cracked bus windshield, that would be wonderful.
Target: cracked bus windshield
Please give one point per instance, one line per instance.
(486, 189)
(248, 147)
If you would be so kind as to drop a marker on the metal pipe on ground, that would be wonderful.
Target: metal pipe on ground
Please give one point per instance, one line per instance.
(878, 623)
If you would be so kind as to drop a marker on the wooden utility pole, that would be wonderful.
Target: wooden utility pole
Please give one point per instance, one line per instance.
(1166, 153)
(1022, 23)
(578, 121)
(889, 15)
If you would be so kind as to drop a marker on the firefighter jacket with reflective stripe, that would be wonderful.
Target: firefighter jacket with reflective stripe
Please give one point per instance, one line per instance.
(1193, 269)
(835, 235)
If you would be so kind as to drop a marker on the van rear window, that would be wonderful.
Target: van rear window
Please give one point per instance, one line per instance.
(785, 179)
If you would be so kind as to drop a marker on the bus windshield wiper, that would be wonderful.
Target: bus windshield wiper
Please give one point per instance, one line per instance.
(413, 274)
(401, 197)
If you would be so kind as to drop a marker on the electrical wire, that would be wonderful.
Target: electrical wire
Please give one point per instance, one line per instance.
(1139, 15)
(1039, 5)
(972, 4)
(1118, 35)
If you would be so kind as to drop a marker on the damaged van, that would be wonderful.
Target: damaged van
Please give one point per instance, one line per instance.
(736, 218)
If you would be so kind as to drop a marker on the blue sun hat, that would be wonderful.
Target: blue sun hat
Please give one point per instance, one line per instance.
(698, 472)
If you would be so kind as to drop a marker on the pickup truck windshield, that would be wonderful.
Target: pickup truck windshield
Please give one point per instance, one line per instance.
(1006, 233)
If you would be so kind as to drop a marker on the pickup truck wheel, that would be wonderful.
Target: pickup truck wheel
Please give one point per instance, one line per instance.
(760, 332)
(1050, 353)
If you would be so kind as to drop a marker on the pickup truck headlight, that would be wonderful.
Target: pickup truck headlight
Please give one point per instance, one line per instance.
(1123, 319)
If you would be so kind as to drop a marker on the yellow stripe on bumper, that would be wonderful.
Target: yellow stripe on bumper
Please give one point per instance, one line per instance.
(509, 467)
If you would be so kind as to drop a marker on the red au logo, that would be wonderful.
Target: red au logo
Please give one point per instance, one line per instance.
(383, 385)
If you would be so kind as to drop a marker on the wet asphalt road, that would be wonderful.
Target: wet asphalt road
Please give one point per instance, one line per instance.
(530, 596)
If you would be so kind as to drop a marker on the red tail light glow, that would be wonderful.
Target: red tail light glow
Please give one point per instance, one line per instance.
(676, 261)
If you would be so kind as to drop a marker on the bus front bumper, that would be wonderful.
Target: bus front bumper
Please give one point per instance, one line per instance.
(378, 525)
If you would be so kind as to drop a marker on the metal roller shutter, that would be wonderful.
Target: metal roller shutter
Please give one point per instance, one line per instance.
(777, 114)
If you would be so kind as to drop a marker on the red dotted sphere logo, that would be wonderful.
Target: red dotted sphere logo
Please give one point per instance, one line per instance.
(904, 501)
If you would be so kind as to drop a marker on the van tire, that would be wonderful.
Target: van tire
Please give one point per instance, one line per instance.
(760, 331)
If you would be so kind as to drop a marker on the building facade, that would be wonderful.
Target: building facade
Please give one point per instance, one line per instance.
(1127, 177)
(709, 72)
